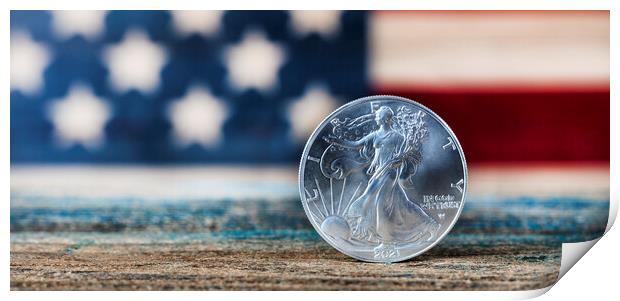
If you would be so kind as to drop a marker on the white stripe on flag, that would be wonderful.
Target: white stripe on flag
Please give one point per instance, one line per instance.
(46, 185)
(482, 49)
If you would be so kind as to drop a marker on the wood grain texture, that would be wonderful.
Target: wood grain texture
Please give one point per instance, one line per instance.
(276, 265)
(108, 242)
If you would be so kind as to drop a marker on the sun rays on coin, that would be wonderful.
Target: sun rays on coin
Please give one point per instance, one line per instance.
(331, 217)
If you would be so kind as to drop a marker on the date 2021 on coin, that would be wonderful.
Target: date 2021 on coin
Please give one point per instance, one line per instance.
(383, 179)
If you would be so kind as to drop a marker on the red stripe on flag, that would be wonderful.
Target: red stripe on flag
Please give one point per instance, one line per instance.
(517, 125)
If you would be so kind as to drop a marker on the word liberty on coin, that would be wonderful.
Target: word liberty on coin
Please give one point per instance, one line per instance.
(383, 179)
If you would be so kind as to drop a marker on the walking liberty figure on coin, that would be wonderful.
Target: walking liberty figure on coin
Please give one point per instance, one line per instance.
(383, 179)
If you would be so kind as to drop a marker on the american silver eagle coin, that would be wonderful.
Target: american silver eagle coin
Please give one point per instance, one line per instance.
(383, 179)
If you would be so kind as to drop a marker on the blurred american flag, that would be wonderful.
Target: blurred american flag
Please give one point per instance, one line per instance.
(241, 86)
(135, 92)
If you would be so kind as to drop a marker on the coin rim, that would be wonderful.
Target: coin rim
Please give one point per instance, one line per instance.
(322, 125)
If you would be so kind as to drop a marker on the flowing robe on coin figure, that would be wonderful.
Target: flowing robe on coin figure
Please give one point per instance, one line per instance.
(383, 213)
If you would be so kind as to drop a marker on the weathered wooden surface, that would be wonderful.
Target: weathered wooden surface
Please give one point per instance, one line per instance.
(275, 265)
(102, 243)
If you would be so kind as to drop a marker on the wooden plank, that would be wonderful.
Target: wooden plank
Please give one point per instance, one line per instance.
(264, 264)
(112, 241)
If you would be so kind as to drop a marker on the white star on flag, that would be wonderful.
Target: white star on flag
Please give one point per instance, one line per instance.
(324, 22)
(197, 21)
(88, 23)
(306, 112)
(254, 62)
(79, 118)
(28, 60)
(136, 62)
(197, 118)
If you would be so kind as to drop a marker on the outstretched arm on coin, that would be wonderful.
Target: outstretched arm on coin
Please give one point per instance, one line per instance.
(346, 143)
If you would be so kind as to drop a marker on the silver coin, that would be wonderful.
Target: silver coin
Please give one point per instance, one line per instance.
(383, 179)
